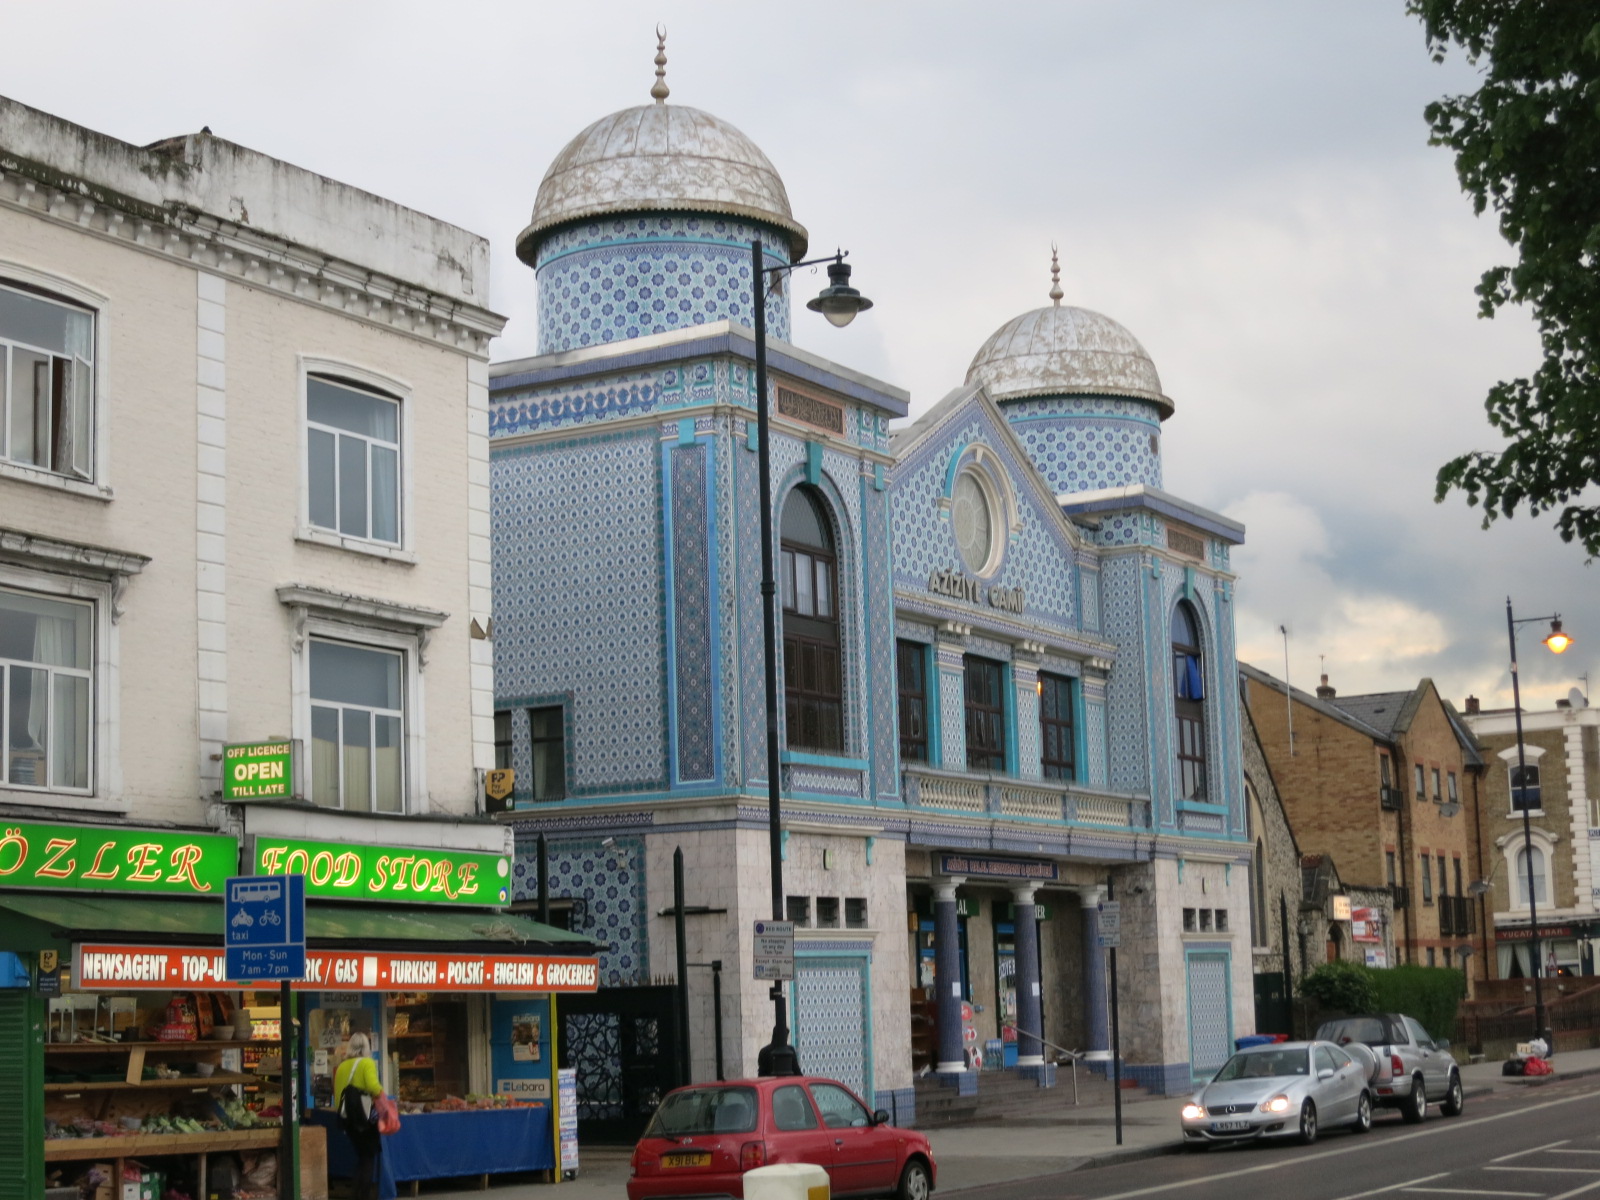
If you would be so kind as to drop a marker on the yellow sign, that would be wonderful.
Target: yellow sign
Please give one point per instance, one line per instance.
(498, 784)
(49, 960)
(1341, 908)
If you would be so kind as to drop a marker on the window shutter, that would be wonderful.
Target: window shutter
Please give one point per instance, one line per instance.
(21, 1126)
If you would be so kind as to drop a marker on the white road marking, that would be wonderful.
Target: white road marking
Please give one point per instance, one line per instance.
(1530, 1150)
(1577, 1191)
(1395, 1187)
(1435, 1128)
(1575, 1152)
(1550, 1170)
(1471, 1192)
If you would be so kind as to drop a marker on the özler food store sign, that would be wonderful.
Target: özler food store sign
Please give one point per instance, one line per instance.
(341, 871)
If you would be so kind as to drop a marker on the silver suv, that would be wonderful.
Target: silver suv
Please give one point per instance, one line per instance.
(1408, 1069)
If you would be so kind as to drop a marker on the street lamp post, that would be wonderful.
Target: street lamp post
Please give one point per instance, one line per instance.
(840, 303)
(1557, 641)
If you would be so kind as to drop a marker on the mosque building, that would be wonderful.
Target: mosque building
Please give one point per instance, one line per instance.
(1007, 657)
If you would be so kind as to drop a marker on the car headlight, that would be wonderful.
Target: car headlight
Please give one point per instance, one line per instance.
(1193, 1112)
(1276, 1105)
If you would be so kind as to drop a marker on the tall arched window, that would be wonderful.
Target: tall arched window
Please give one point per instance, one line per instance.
(1540, 891)
(812, 679)
(1189, 694)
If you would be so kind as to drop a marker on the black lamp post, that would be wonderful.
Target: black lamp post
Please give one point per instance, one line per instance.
(1557, 641)
(839, 302)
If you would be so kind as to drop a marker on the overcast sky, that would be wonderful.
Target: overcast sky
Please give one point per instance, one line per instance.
(1246, 186)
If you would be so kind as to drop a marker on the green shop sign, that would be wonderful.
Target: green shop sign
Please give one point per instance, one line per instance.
(260, 771)
(114, 859)
(345, 872)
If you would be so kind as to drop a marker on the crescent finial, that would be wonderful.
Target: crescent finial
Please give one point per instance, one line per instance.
(660, 90)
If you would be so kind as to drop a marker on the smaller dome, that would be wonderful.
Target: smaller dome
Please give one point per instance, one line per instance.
(660, 158)
(1060, 351)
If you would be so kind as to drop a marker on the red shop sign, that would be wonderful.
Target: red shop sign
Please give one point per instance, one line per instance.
(99, 967)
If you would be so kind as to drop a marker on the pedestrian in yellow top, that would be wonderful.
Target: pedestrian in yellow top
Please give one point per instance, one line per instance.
(359, 1071)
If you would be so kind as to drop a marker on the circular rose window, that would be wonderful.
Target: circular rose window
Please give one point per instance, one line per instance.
(972, 517)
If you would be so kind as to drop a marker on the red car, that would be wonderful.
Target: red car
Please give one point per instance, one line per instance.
(704, 1137)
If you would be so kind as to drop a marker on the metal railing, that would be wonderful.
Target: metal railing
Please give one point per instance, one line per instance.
(1008, 797)
(1072, 1054)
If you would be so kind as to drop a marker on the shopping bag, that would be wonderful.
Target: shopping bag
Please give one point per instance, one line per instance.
(387, 1114)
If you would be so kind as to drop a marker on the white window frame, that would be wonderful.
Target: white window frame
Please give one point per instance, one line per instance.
(395, 389)
(98, 486)
(318, 614)
(1531, 756)
(68, 571)
(1519, 874)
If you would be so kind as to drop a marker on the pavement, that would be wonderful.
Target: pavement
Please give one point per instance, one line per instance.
(983, 1155)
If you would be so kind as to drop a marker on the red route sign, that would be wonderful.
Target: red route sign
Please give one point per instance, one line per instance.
(102, 967)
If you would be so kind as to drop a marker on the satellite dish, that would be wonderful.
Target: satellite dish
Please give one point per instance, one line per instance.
(1577, 699)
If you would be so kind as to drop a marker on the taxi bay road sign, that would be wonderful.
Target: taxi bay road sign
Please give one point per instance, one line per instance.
(773, 952)
(265, 927)
(1110, 931)
(260, 771)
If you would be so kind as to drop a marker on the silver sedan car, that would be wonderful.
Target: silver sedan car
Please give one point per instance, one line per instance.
(1285, 1089)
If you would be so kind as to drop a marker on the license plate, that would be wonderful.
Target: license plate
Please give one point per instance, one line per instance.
(691, 1158)
(1229, 1126)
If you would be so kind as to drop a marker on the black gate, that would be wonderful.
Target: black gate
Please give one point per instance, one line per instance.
(1272, 1004)
(623, 1043)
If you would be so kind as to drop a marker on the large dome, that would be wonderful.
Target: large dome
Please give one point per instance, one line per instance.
(1060, 350)
(660, 158)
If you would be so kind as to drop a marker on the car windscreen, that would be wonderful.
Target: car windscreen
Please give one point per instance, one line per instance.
(705, 1110)
(1264, 1064)
(1369, 1031)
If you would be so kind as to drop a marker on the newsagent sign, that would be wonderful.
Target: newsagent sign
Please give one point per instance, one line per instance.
(98, 858)
(341, 871)
(99, 967)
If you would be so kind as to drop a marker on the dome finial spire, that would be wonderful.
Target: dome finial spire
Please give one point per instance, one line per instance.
(661, 91)
(1055, 276)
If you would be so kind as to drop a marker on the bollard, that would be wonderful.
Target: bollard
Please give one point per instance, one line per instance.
(787, 1181)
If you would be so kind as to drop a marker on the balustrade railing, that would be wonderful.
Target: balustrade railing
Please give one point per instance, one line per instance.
(1032, 799)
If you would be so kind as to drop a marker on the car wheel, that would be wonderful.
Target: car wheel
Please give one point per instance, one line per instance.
(1416, 1104)
(1308, 1123)
(1363, 1114)
(914, 1184)
(1454, 1099)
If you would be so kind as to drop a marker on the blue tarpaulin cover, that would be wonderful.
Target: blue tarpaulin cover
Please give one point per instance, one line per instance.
(448, 1145)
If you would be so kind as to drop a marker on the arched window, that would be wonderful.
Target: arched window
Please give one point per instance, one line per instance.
(1540, 891)
(1189, 694)
(812, 679)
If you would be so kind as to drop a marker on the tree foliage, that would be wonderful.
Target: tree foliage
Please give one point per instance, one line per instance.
(1527, 145)
(1341, 987)
(1430, 994)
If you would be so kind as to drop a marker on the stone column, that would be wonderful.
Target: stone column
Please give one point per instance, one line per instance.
(1030, 1053)
(947, 975)
(1096, 1001)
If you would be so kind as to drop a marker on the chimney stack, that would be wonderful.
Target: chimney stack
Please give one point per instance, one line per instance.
(1472, 704)
(1324, 692)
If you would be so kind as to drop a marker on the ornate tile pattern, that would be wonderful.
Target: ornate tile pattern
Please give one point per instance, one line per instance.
(691, 608)
(1039, 559)
(1083, 443)
(1128, 702)
(610, 883)
(598, 586)
(1095, 737)
(525, 410)
(1089, 598)
(630, 276)
(824, 780)
(830, 1018)
(884, 751)
(1210, 1013)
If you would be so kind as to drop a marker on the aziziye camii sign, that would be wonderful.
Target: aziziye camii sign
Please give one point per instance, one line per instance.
(341, 871)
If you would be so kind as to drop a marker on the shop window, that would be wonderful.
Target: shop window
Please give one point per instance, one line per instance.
(827, 912)
(812, 672)
(427, 1042)
(798, 910)
(47, 385)
(502, 740)
(986, 718)
(1525, 793)
(1057, 744)
(547, 740)
(357, 727)
(46, 691)
(911, 667)
(353, 463)
(1540, 892)
(1188, 690)
(1426, 877)
(855, 912)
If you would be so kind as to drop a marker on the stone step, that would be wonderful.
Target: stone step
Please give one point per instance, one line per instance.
(1006, 1095)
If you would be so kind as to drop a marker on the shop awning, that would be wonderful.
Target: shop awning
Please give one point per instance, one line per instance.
(330, 925)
